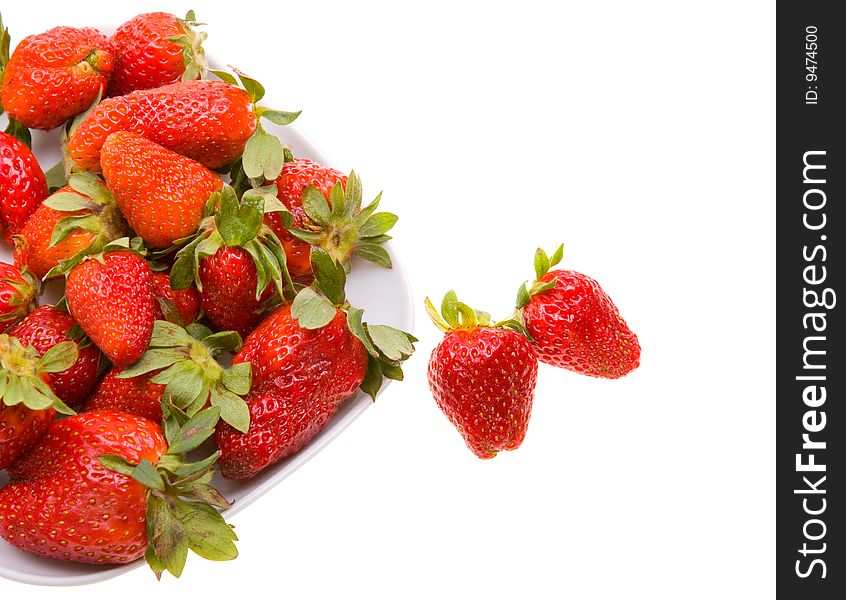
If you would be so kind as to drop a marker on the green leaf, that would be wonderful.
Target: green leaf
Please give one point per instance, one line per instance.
(19, 132)
(238, 378)
(69, 202)
(117, 463)
(90, 186)
(354, 322)
(435, 316)
(166, 535)
(233, 409)
(377, 224)
(375, 254)
(353, 194)
(198, 331)
(67, 225)
(541, 263)
(391, 371)
(195, 431)
(237, 222)
(223, 341)
(58, 358)
(182, 272)
(315, 205)
(145, 473)
(523, 296)
(169, 335)
(311, 309)
(208, 534)
(56, 176)
(338, 201)
(253, 87)
(224, 76)
(204, 493)
(557, 256)
(280, 117)
(391, 342)
(263, 156)
(152, 360)
(329, 277)
(372, 381)
(449, 309)
(541, 286)
(183, 469)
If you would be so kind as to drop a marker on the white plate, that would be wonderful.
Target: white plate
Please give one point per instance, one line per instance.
(385, 294)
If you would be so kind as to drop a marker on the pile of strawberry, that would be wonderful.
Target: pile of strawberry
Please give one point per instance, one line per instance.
(483, 375)
(183, 232)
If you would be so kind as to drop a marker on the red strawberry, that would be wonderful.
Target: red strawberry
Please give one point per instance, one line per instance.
(574, 324)
(111, 297)
(93, 490)
(55, 75)
(307, 358)
(344, 233)
(180, 369)
(17, 294)
(483, 378)
(134, 395)
(235, 261)
(184, 304)
(27, 402)
(161, 193)
(22, 185)
(47, 326)
(154, 49)
(80, 218)
(208, 121)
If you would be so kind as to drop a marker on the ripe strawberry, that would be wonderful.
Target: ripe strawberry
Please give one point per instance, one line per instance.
(17, 294)
(27, 402)
(134, 395)
(307, 358)
(161, 193)
(80, 218)
(22, 185)
(55, 75)
(181, 370)
(235, 261)
(44, 328)
(574, 324)
(182, 306)
(482, 377)
(155, 49)
(111, 297)
(102, 488)
(208, 121)
(309, 191)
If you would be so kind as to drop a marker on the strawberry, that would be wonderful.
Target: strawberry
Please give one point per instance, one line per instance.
(111, 297)
(161, 193)
(154, 49)
(212, 122)
(482, 377)
(135, 395)
(108, 488)
(17, 294)
(22, 185)
(307, 358)
(574, 324)
(44, 328)
(181, 370)
(310, 192)
(55, 75)
(208, 121)
(27, 402)
(177, 306)
(79, 219)
(235, 262)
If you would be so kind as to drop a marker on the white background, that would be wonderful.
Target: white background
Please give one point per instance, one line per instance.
(642, 135)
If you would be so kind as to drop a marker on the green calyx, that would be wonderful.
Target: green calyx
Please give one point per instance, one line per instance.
(191, 374)
(543, 263)
(264, 155)
(317, 305)
(22, 299)
(21, 371)
(191, 42)
(342, 227)
(101, 217)
(458, 315)
(182, 505)
(236, 223)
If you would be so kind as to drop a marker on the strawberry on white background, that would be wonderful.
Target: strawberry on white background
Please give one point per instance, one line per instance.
(614, 127)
